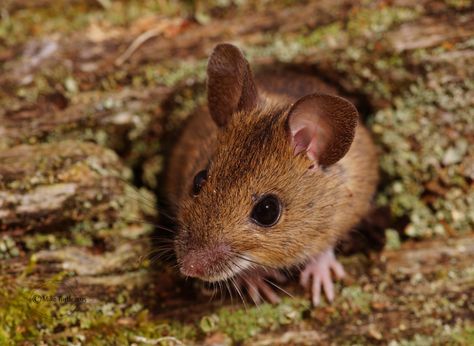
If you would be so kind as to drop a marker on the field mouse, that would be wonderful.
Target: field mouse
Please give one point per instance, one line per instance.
(266, 181)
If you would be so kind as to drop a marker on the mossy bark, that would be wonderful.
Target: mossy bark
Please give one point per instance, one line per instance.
(87, 114)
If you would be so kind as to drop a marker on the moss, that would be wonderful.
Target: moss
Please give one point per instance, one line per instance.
(184, 70)
(8, 247)
(362, 61)
(421, 159)
(459, 4)
(244, 323)
(35, 21)
(392, 239)
(103, 323)
(416, 154)
(355, 299)
(21, 318)
(38, 242)
(31, 315)
(463, 336)
(375, 21)
(459, 335)
(428, 170)
(324, 37)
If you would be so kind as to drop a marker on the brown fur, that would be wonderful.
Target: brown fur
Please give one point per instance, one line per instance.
(251, 155)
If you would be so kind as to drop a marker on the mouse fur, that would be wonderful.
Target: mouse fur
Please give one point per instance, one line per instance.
(324, 175)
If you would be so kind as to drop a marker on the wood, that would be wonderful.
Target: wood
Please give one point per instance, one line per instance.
(87, 117)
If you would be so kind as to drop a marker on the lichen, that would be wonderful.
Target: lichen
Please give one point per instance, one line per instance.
(31, 315)
(392, 239)
(355, 299)
(417, 156)
(8, 247)
(423, 126)
(243, 323)
(421, 159)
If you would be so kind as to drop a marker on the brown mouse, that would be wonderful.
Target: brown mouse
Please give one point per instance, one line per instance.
(267, 181)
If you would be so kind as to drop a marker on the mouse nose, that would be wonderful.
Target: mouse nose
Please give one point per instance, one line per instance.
(204, 263)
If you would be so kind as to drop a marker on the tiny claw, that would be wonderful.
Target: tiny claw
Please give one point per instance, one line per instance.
(257, 286)
(319, 269)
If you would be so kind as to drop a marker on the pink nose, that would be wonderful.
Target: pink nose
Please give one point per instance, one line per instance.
(204, 263)
(193, 268)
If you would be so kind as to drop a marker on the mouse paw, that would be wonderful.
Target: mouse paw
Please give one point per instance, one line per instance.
(319, 269)
(258, 286)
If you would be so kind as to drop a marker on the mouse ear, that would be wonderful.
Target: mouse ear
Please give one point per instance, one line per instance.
(323, 126)
(230, 83)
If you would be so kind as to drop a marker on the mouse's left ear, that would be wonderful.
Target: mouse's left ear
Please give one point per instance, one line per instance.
(323, 126)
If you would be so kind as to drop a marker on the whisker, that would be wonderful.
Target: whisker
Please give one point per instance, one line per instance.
(213, 292)
(148, 202)
(242, 257)
(230, 292)
(278, 287)
(151, 224)
(236, 286)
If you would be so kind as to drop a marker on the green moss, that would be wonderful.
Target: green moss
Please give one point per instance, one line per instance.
(21, 318)
(355, 299)
(427, 168)
(8, 247)
(392, 239)
(324, 37)
(420, 158)
(244, 323)
(459, 335)
(184, 70)
(362, 61)
(38, 242)
(416, 153)
(34, 21)
(31, 315)
(103, 323)
(375, 21)
(459, 4)
(463, 336)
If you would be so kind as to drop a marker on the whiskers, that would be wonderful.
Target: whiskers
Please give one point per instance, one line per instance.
(154, 249)
(151, 223)
(240, 270)
(237, 268)
(148, 200)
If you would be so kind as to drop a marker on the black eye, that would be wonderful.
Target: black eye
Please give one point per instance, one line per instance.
(199, 181)
(267, 211)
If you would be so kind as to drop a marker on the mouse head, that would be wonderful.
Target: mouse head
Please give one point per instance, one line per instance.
(270, 191)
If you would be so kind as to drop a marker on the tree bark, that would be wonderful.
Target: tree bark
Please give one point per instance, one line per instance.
(86, 119)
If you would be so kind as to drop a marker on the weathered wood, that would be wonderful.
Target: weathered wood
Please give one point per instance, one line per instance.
(403, 291)
(78, 111)
(46, 185)
(68, 189)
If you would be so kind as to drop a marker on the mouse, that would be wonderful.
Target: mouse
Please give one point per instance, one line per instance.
(266, 180)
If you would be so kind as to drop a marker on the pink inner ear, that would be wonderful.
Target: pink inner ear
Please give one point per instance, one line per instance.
(323, 126)
(310, 134)
(301, 140)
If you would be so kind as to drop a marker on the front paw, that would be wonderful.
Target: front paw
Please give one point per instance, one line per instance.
(319, 270)
(258, 286)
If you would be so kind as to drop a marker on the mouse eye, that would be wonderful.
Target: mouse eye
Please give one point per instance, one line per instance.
(199, 181)
(267, 211)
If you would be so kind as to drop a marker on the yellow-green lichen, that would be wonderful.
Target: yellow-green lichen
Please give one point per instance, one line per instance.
(8, 247)
(244, 323)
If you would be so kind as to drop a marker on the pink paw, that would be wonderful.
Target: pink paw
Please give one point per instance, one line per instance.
(319, 268)
(258, 286)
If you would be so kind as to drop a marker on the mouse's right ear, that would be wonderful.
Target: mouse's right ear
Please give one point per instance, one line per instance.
(230, 84)
(323, 126)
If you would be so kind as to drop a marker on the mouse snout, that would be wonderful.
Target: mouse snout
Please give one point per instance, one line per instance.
(205, 263)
